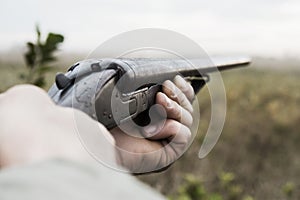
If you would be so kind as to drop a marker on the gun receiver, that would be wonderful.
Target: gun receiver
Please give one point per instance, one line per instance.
(115, 90)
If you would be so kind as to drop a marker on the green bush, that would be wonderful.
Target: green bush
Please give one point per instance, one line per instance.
(39, 56)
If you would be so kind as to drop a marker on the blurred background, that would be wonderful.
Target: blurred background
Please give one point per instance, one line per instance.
(257, 156)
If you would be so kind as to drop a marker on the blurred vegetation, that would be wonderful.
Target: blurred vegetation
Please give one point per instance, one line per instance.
(39, 56)
(257, 155)
(226, 188)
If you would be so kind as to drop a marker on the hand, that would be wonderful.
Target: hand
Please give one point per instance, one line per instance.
(165, 140)
(34, 129)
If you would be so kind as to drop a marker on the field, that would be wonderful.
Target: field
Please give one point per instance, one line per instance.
(257, 155)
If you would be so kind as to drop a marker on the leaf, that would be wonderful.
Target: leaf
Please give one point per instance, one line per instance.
(50, 46)
(30, 55)
(53, 40)
(38, 54)
(38, 33)
(46, 57)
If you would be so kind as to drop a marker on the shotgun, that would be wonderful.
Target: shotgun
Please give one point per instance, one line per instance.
(113, 91)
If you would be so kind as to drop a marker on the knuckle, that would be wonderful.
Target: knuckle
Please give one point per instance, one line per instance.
(184, 135)
(178, 114)
(189, 107)
(184, 87)
(190, 121)
(181, 97)
(181, 82)
(168, 86)
(167, 83)
(174, 126)
(175, 97)
(171, 110)
(176, 111)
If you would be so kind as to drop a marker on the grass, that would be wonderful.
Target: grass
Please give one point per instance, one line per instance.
(259, 145)
(10, 74)
(260, 142)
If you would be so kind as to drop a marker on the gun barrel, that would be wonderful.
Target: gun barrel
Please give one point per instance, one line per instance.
(143, 71)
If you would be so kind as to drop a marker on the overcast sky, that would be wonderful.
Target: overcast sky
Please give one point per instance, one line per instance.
(255, 27)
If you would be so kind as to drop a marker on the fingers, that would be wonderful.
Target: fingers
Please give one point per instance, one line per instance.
(175, 100)
(174, 110)
(174, 137)
(177, 95)
(167, 139)
(185, 87)
(172, 130)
